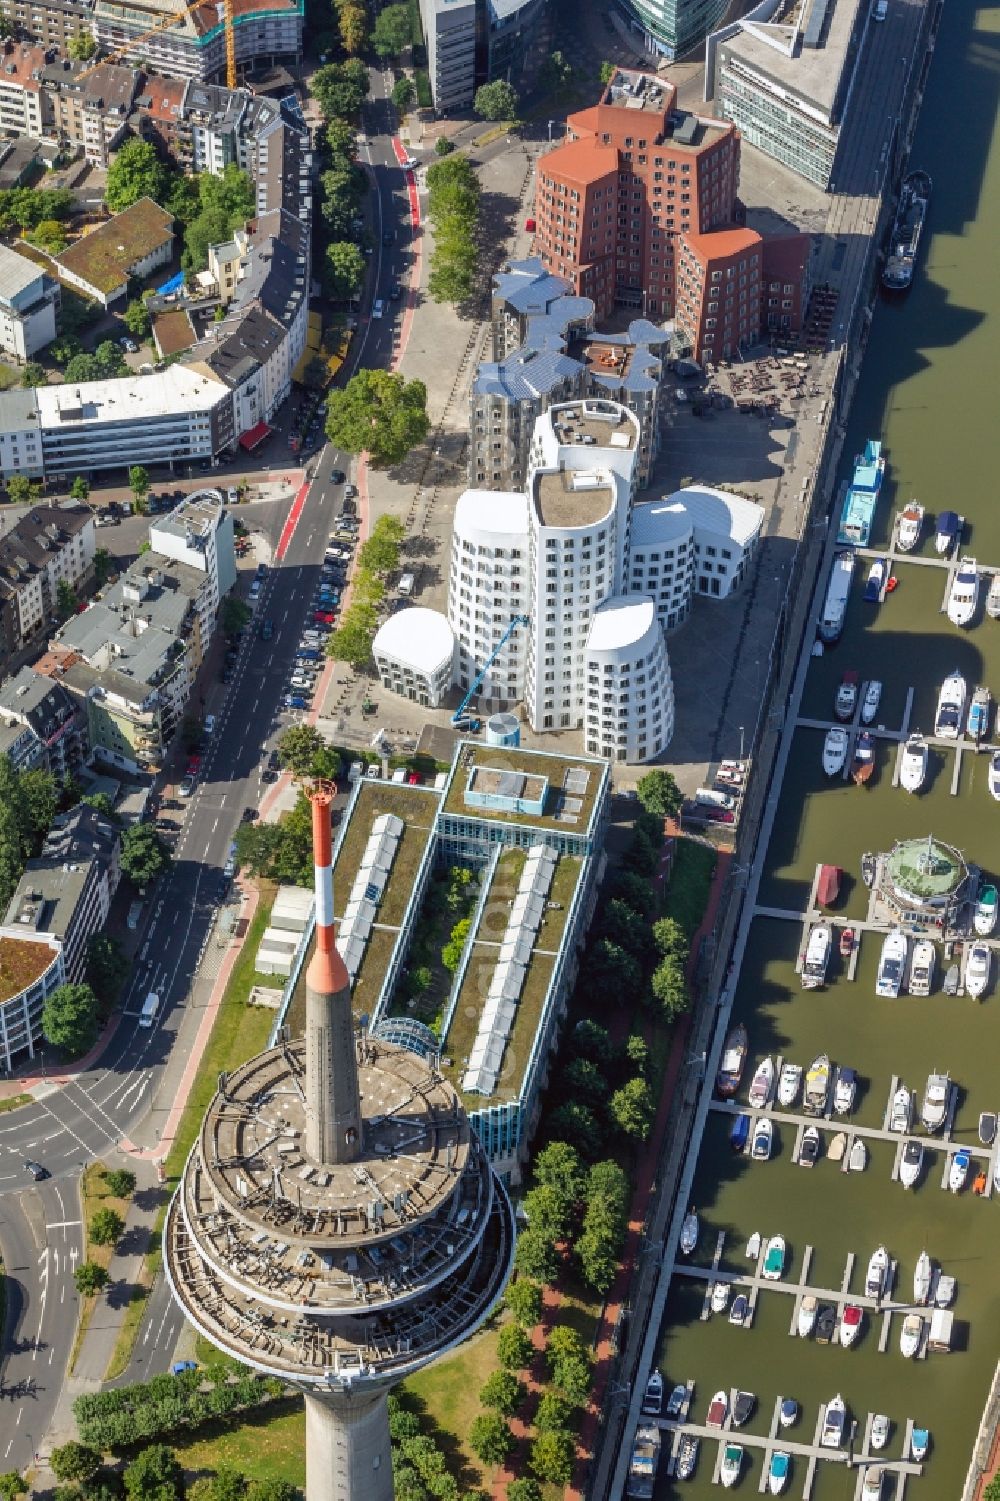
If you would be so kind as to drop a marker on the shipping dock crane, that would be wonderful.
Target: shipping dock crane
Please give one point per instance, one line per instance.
(477, 681)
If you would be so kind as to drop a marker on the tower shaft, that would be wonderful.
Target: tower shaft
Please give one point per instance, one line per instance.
(333, 1107)
(347, 1448)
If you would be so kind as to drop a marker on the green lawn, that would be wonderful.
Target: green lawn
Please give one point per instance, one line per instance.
(690, 883)
(270, 1445)
(446, 1395)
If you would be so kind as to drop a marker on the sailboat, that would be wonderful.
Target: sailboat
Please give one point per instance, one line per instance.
(923, 1275)
(913, 764)
(963, 596)
(911, 521)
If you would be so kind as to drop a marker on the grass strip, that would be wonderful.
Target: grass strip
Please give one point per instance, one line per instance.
(94, 1195)
(15, 1102)
(687, 894)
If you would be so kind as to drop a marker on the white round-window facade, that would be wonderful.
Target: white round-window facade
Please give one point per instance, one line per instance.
(630, 693)
(489, 585)
(415, 653)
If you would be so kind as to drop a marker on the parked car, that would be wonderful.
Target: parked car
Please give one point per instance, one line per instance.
(295, 701)
(187, 787)
(209, 724)
(300, 680)
(395, 291)
(267, 630)
(129, 346)
(35, 1169)
(378, 308)
(324, 617)
(337, 476)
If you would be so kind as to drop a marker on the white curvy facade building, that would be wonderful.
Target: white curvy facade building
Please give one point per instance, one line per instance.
(561, 594)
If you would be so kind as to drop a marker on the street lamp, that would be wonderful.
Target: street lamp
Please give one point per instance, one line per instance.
(741, 742)
(561, 123)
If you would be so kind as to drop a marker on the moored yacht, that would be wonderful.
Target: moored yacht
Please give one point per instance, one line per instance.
(901, 1114)
(850, 1324)
(880, 1431)
(789, 1083)
(958, 1172)
(993, 776)
(863, 764)
(760, 1088)
(652, 1399)
(835, 750)
(845, 1091)
(911, 1162)
(877, 1274)
(947, 532)
(951, 706)
(984, 919)
(922, 967)
(913, 764)
(817, 957)
(734, 1057)
(732, 1463)
(687, 1456)
(778, 1471)
(846, 700)
(806, 1321)
(817, 1085)
(763, 1139)
(978, 968)
(911, 521)
(937, 1098)
(833, 1423)
(978, 724)
(831, 621)
(892, 964)
(993, 598)
(871, 700)
(963, 596)
(923, 1276)
(871, 1490)
(875, 582)
(911, 1335)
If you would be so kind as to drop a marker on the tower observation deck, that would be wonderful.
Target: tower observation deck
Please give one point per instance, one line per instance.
(338, 1224)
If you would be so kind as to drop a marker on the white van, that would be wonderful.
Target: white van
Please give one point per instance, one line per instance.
(406, 584)
(150, 1007)
(880, 10)
(709, 798)
(355, 771)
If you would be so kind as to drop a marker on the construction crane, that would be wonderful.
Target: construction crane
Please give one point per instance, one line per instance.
(477, 681)
(118, 54)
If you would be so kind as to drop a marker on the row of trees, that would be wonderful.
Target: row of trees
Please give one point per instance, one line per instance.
(351, 642)
(27, 208)
(122, 1416)
(453, 210)
(155, 1474)
(419, 1466)
(584, 1209)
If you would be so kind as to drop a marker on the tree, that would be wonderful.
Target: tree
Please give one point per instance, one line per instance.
(121, 1182)
(224, 203)
(548, 1211)
(66, 600)
(298, 749)
(637, 1051)
(106, 1227)
(380, 554)
(624, 926)
(154, 1475)
(504, 1391)
(138, 483)
(393, 31)
(90, 1278)
(107, 967)
(669, 986)
(574, 1122)
(514, 1348)
(554, 1414)
(258, 846)
(659, 794)
(403, 94)
(490, 1438)
(236, 615)
(351, 642)
(74, 1461)
(496, 101)
(102, 567)
(523, 1300)
(613, 970)
(69, 1018)
(671, 939)
(631, 1109)
(557, 76)
(340, 89)
(636, 892)
(143, 855)
(20, 490)
(81, 47)
(451, 954)
(443, 146)
(524, 1489)
(12, 1486)
(137, 320)
(79, 489)
(136, 172)
(591, 1040)
(608, 71)
(82, 367)
(582, 1080)
(345, 264)
(536, 1257)
(552, 1457)
(33, 375)
(991, 1493)
(49, 235)
(353, 28)
(378, 413)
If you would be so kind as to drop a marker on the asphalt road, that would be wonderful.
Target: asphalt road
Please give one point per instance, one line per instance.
(128, 1094)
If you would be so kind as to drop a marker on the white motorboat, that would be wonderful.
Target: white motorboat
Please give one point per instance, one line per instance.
(910, 522)
(911, 1335)
(913, 764)
(689, 1233)
(920, 1442)
(763, 1139)
(850, 1324)
(944, 1292)
(789, 1083)
(892, 964)
(958, 1171)
(922, 963)
(834, 1419)
(978, 968)
(732, 1463)
(877, 1273)
(984, 919)
(937, 1097)
(846, 700)
(809, 1147)
(679, 1401)
(858, 1160)
(760, 1087)
(717, 1410)
(871, 1489)
(993, 775)
(880, 1431)
(774, 1259)
(951, 707)
(778, 1471)
(963, 597)
(901, 1114)
(871, 700)
(911, 1162)
(806, 1322)
(789, 1414)
(993, 598)
(753, 1246)
(652, 1401)
(835, 750)
(923, 1275)
(720, 1297)
(817, 957)
(845, 1091)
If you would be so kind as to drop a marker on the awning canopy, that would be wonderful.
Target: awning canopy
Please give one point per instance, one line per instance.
(254, 436)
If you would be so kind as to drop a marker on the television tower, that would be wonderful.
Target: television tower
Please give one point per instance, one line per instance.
(337, 1225)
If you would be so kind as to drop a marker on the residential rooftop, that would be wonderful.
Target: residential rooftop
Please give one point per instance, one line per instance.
(22, 962)
(574, 784)
(573, 497)
(104, 257)
(17, 273)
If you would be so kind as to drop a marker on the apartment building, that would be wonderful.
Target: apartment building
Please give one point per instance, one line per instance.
(787, 84)
(24, 106)
(49, 544)
(29, 301)
(718, 293)
(525, 296)
(130, 245)
(41, 724)
(629, 699)
(695, 542)
(488, 587)
(52, 23)
(36, 962)
(194, 46)
(66, 893)
(199, 533)
(89, 105)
